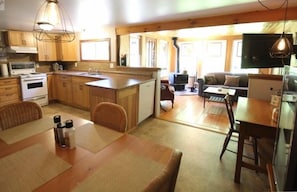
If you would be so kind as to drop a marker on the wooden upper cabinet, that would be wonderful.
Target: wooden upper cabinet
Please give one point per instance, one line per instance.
(67, 51)
(47, 51)
(21, 38)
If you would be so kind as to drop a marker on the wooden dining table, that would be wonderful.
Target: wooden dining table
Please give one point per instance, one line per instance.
(255, 117)
(125, 163)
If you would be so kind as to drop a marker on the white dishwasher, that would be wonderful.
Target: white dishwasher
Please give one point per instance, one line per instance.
(146, 100)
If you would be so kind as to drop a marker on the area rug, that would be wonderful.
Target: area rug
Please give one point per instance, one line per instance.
(186, 92)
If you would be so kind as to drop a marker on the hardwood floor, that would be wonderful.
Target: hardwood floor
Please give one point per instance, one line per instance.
(188, 110)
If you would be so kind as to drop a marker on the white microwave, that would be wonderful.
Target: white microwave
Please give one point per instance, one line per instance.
(18, 67)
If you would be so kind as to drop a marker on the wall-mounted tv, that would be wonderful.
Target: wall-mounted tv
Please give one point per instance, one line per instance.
(256, 48)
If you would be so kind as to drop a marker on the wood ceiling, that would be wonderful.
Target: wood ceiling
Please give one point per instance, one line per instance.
(148, 15)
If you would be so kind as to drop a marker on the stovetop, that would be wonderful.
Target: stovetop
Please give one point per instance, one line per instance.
(35, 74)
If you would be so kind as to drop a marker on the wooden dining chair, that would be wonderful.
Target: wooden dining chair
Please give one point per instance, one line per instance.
(234, 129)
(110, 115)
(165, 182)
(15, 114)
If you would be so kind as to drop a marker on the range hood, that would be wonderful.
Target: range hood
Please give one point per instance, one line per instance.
(17, 49)
(5, 48)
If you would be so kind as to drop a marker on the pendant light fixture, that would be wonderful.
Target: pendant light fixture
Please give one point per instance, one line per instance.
(282, 48)
(52, 23)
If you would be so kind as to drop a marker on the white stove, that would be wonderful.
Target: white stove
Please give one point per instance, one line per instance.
(33, 84)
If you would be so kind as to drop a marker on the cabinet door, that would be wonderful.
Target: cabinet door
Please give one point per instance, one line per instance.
(63, 91)
(50, 87)
(67, 51)
(47, 51)
(80, 91)
(21, 38)
(146, 100)
(9, 91)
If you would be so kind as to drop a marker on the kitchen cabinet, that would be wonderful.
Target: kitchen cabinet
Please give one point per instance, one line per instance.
(146, 100)
(80, 91)
(67, 51)
(10, 91)
(47, 51)
(63, 88)
(126, 97)
(50, 87)
(21, 38)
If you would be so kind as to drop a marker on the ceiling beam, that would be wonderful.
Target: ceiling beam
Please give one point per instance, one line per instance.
(248, 17)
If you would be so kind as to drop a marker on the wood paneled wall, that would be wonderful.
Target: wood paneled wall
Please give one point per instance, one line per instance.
(248, 17)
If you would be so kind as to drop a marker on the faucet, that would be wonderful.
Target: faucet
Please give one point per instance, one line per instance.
(93, 71)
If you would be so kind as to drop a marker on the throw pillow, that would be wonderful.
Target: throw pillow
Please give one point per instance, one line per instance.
(210, 80)
(232, 81)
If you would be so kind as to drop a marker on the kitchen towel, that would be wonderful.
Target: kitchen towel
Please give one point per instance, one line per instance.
(4, 69)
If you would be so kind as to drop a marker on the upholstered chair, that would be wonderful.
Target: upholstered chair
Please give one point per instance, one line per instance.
(167, 92)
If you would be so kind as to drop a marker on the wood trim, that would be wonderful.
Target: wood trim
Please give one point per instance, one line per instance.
(271, 177)
(266, 76)
(248, 17)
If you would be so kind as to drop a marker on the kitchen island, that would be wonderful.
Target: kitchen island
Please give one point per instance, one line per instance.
(124, 90)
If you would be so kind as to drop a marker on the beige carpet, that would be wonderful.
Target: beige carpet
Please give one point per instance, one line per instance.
(201, 168)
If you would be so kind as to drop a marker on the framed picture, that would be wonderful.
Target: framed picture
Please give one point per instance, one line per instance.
(95, 50)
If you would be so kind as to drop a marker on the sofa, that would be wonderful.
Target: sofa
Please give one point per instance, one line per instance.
(237, 81)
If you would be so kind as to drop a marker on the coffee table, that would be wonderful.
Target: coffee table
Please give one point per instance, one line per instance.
(217, 94)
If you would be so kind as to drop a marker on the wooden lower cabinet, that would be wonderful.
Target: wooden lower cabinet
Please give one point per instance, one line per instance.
(10, 91)
(63, 88)
(127, 97)
(50, 87)
(80, 92)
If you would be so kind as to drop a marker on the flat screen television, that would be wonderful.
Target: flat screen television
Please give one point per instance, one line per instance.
(256, 48)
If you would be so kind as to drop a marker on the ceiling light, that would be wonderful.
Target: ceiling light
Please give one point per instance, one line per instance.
(282, 48)
(52, 23)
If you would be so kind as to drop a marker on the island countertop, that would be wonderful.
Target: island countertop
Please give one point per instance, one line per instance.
(109, 81)
(117, 82)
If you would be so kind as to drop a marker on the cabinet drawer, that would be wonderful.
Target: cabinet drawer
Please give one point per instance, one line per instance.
(9, 90)
(9, 97)
(82, 80)
(5, 82)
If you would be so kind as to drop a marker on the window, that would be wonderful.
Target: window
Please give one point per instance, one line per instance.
(151, 45)
(95, 50)
(214, 56)
(163, 58)
(188, 58)
(134, 51)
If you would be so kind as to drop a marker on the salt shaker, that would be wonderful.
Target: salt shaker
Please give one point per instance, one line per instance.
(69, 134)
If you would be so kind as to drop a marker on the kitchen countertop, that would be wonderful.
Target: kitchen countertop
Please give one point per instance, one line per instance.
(115, 83)
(100, 80)
(108, 81)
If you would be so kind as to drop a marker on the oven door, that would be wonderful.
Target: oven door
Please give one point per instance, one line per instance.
(34, 88)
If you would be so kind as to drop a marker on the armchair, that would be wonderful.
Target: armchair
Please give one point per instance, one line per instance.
(167, 92)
